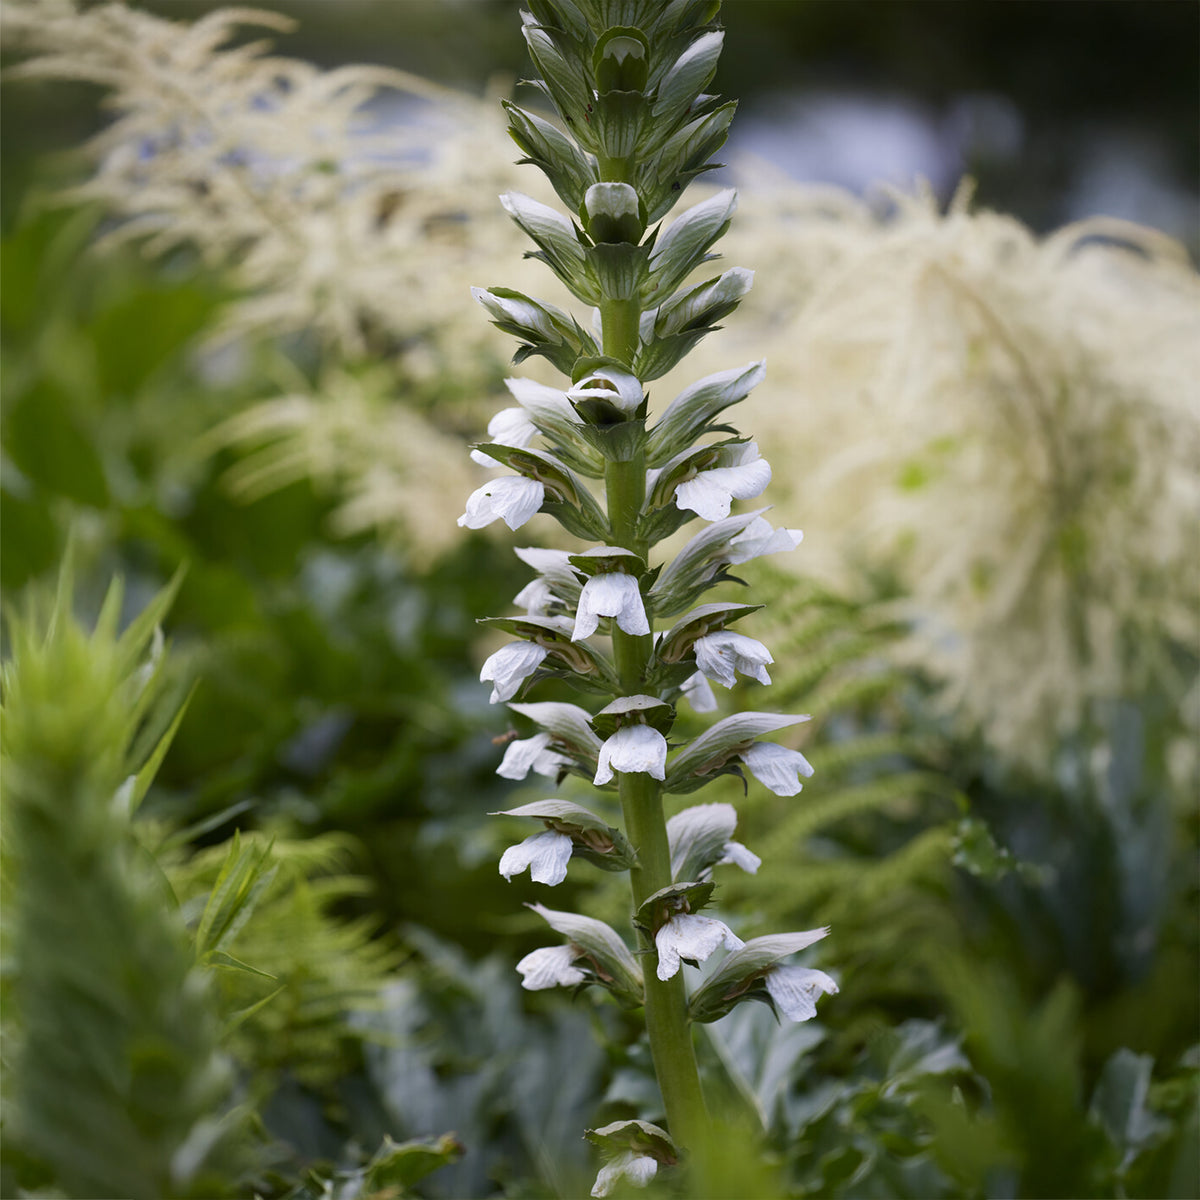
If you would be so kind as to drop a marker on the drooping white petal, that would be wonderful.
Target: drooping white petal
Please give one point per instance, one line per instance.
(639, 1169)
(546, 854)
(531, 754)
(720, 654)
(777, 767)
(739, 856)
(509, 427)
(633, 748)
(796, 990)
(691, 936)
(510, 666)
(759, 538)
(610, 594)
(549, 967)
(710, 493)
(699, 694)
(511, 498)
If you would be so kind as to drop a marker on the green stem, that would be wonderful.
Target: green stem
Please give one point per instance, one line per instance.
(641, 796)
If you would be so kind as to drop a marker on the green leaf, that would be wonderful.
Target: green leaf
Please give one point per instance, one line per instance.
(400, 1165)
(244, 878)
(45, 439)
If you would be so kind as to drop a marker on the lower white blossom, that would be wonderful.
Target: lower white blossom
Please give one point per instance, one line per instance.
(552, 966)
(546, 854)
(531, 754)
(759, 538)
(632, 748)
(699, 693)
(795, 990)
(720, 654)
(512, 499)
(709, 493)
(777, 767)
(691, 936)
(510, 666)
(639, 1169)
(610, 594)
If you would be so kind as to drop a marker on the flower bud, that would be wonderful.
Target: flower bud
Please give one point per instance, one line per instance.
(612, 213)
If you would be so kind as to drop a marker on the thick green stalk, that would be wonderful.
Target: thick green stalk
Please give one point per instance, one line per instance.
(641, 796)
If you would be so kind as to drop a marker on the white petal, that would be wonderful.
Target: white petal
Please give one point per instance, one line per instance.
(545, 854)
(511, 498)
(549, 967)
(777, 767)
(720, 654)
(610, 594)
(549, 562)
(739, 856)
(710, 492)
(691, 936)
(510, 666)
(509, 427)
(633, 748)
(639, 1169)
(611, 200)
(536, 598)
(796, 989)
(758, 538)
(704, 496)
(531, 754)
(700, 695)
(540, 397)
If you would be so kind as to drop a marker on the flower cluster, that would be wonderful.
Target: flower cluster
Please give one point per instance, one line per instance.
(637, 125)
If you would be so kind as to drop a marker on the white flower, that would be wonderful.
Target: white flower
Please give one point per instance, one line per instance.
(759, 538)
(709, 493)
(610, 594)
(511, 498)
(639, 1169)
(509, 427)
(719, 655)
(633, 748)
(545, 854)
(510, 666)
(697, 825)
(531, 754)
(691, 936)
(550, 967)
(700, 695)
(777, 767)
(538, 596)
(796, 989)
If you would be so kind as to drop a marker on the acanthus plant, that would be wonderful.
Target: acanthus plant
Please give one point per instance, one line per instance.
(627, 79)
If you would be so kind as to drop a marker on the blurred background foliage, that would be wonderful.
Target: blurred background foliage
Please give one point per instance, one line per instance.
(307, 897)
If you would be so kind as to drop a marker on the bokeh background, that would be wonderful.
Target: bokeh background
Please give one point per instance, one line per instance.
(253, 352)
